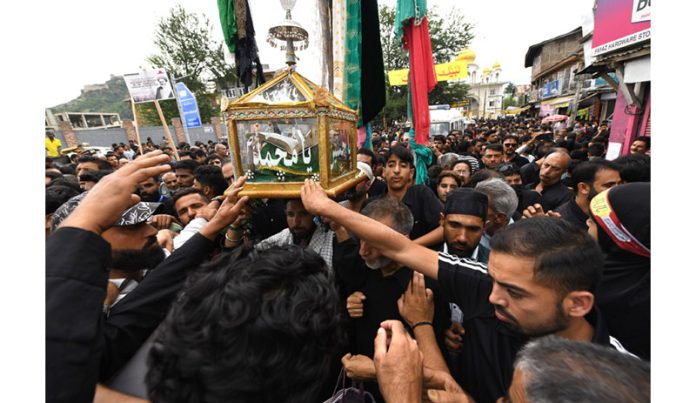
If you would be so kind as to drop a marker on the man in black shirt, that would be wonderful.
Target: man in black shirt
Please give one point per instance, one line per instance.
(542, 273)
(553, 192)
(82, 346)
(377, 283)
(510, 144)
(589, 179)
(423, 203)
(378, 186)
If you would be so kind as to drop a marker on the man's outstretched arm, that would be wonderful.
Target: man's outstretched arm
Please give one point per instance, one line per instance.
(76, 280)
(391, 244)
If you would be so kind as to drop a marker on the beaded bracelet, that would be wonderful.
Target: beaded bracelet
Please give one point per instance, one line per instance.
(421, 323)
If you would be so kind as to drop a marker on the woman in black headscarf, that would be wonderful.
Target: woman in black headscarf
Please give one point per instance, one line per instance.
(620, 222)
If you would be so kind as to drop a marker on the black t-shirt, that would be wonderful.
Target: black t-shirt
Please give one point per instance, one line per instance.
(268, 219)
(519, 161)
(167, 206)
(378, 188)
(381, 296)
(571, 212)
(525, 198)
(554, 195)
(530, 174)
(484, 367)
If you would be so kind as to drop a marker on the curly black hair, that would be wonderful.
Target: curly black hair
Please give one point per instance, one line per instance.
(259, 326)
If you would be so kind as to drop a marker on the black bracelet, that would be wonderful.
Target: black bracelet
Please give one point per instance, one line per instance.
(421, 323)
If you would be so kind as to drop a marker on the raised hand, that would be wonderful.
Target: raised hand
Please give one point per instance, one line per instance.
(314, 198)
(533, 211)
(109, 198)
(416, 304)
(228, 212)
(162, 221)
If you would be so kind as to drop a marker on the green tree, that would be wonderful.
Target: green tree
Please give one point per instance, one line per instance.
(448, 36)
(188, 52)
(509, 101)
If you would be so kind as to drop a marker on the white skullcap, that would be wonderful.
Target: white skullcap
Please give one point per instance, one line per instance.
(366, 170)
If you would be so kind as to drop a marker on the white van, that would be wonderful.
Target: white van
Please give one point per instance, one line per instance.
(443, 119)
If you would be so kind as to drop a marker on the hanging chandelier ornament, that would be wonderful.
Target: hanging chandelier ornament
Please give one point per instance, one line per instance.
(288, 34)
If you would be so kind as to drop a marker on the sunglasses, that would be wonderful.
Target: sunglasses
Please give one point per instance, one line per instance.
(510, 145)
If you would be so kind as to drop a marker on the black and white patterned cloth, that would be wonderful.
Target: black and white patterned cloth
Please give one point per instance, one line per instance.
(141, 212)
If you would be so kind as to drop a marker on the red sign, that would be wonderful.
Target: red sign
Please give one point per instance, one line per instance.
(620, 23)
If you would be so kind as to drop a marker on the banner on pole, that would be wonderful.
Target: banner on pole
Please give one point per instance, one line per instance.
(189, 106)
(149, 85)
(444, 72)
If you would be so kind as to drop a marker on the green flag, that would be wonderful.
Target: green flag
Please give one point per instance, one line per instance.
(228, 21)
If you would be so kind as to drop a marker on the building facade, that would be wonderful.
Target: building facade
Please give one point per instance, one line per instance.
(486, 88)
(619, 47)
(554, 63)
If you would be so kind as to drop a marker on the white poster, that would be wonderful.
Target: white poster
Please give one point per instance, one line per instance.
(641, 11)
(149, 85)
(613, 151)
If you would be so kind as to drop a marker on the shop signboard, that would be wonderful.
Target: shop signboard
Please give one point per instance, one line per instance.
(620, 23)
(550, 89)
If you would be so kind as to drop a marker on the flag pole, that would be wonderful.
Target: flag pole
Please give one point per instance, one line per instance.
(166, 129)
(135, 123)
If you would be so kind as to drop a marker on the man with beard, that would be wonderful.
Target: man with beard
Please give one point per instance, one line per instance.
(462, 221)
(149, 191)
(376, 283)
(589, 179)
(133, 241)
(510, 144)
(303, 232)
(493, 156)
(83, 346)
(542, 273)
(184, 173)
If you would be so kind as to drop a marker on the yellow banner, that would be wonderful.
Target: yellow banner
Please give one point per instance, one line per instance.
(444, 72)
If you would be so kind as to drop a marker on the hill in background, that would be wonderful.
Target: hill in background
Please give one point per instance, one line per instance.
(107, 97)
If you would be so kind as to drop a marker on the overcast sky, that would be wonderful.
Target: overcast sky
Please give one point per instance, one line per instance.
(91, 40)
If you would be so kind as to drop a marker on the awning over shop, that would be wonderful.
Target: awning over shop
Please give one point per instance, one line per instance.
(594, 69)
(588, 100)
(515, 111)
(560, 102)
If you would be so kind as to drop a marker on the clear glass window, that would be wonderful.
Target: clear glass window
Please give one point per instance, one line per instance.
(279, 150)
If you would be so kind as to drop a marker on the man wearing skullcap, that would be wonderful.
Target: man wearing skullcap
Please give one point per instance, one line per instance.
(462, 219)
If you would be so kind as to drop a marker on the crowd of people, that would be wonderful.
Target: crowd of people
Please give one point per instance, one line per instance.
(519, 271)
